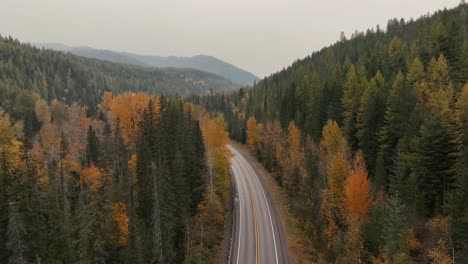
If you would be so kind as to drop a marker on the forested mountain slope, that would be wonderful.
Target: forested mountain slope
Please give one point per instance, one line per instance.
(199, 62)
(69, 78)
(369, 139)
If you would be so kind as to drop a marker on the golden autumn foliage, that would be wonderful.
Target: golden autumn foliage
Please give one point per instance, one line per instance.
(222, 179)
(7, 133)
(120, 219)
(334, 161)
(9, 145)
(291, 158)
(106, 100)
(42, 111)
(126, 107)
(294, 143)
(252, 132)
(439, 254)
(91, 177)
(354, 246)
(216, 139)
(132, 163)
(358, 201)
(333, 142)
(214, 133)
(336, 172)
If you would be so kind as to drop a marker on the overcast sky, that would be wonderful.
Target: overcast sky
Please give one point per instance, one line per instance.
(261, 36)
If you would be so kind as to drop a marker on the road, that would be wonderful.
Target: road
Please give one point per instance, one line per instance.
(257, 233)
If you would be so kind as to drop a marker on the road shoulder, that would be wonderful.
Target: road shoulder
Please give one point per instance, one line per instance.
(294, 247)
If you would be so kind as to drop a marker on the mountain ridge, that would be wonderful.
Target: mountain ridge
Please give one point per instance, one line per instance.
(70, 78)
(202, 62)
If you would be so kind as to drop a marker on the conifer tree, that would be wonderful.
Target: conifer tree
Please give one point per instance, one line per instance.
(352, 92)
(92, 147)
(394, 228)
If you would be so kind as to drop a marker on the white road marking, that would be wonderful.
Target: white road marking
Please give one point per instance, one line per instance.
(240, 227)
(264, 197)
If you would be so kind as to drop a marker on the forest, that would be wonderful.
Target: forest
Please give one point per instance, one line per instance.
(368, 138)
(69, 78)
(139, 182)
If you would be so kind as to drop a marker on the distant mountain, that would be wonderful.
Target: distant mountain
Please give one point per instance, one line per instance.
(70, 78)
(199, 62)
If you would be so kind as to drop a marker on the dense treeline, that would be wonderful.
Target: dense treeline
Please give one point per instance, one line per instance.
(368, 138)
(68, 78)
(139, 184)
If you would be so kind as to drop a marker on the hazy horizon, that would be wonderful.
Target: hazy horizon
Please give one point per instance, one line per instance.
(261, 37)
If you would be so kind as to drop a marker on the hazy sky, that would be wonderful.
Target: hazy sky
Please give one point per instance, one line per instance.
(261, 36)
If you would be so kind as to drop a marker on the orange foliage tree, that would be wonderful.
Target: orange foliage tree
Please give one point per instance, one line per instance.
(120, 219)
(358, 201)
(92, 177)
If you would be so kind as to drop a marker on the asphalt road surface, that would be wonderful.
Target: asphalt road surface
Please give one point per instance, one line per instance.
(257, 233)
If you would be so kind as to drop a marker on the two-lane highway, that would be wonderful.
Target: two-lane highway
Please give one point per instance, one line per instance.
(257, 236)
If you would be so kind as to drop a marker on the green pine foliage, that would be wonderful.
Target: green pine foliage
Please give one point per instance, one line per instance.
(396, 95)
(69, 78)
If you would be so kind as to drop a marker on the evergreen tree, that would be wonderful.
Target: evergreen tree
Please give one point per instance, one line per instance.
(4, 216)
(350, 101)
(400, 104)
(17, 243)
(92, 147)
(368, 122)
(394, 228)
(434, 166)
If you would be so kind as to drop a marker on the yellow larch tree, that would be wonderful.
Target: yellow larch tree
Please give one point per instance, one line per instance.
(127, 108)
(252, 133)
(335, 167)
(9, 145)
(358, 201)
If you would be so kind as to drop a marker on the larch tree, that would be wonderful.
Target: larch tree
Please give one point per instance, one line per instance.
(334, 162)
(293, 160)
(358, 200)
(253, 136)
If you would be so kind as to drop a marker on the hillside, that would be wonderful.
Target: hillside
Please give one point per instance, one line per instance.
(57, 75)
(369, 138)
(199, 62)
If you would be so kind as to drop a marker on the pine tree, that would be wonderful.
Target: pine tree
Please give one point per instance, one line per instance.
(459, 208)
(434, 166)
(396, 55)
(313, 112)
(350, 101)
(398, 174)
(400, 105)
(4, 217)
(16, 242)
(394, 228)
(368, 122)
(92, 147)
(120, 156)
